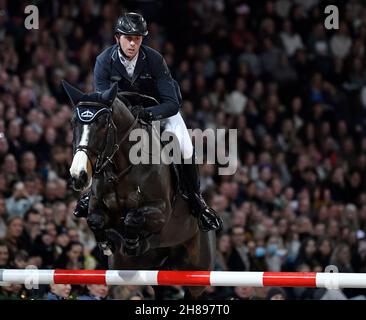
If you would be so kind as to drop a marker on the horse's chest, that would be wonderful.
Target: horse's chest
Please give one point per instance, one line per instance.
(118, 199)
(111, 202)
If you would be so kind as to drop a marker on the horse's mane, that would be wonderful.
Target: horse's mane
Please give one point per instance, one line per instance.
(121, 101)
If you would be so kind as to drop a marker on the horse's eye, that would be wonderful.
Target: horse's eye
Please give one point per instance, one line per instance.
(102, 122)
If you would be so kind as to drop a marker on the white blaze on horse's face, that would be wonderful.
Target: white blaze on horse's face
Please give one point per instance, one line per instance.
(81, 162)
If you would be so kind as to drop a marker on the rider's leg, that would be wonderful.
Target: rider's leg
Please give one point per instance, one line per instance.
(207, 217)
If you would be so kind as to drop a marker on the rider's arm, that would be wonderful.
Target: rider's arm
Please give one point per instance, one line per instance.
(101, 75)
(167, 90)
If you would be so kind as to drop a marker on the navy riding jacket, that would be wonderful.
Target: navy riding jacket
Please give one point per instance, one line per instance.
(151, 77)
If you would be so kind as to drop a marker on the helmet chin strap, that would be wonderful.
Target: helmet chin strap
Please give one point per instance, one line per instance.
(120, 48)
(123, 54)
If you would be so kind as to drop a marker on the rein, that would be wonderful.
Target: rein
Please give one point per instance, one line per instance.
(109, 159)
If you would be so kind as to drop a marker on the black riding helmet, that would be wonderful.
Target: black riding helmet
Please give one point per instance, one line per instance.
(131, 24)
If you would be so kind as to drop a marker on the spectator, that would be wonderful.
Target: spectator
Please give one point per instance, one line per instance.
(244, 293)
(324, 252)
(341, 42)
(276, 294)
(96, 292)
(32, 227)
(11, 292)
(18, 203)
(4, 145)
(223, 252)
(4, 255)
(237, 100)
(44, 246)
(59, 292)
(290, 40)
(341, 258)
(72, 257)
(238, 259)
(2, 218)
(307, 253)
(15, 227)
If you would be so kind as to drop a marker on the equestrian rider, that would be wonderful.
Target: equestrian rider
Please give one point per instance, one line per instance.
(139, 68)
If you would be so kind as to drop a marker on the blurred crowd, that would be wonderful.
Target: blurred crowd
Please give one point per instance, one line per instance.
(295, 91)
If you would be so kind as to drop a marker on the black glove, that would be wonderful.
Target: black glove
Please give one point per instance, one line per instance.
(81, 209)
(141, 113)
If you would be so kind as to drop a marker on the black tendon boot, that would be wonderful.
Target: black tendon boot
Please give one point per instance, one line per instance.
(81, 208)
(207, 217)
(133, 224)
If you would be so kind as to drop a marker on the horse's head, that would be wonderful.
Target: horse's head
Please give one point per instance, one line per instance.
(90, 121)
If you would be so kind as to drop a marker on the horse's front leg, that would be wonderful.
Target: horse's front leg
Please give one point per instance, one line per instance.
(150, 218)
(97, 220)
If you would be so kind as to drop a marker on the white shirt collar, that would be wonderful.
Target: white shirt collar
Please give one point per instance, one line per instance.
(128, 64)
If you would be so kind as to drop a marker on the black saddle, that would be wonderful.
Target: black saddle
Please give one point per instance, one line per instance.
(137, 99)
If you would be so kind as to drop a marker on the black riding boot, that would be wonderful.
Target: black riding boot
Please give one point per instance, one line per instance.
(81, 208)
(207, 217)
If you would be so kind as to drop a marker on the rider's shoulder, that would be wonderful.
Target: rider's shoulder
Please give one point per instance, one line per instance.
(151, 53)
(108, 52)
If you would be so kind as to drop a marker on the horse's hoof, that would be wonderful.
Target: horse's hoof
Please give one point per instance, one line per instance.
(131, 247)
(107, 250)
(130, 252)
(135, 247)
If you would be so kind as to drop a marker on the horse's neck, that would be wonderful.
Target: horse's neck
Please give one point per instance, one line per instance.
(123, 120)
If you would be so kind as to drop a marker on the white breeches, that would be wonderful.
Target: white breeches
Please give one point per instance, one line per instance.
(176, 125)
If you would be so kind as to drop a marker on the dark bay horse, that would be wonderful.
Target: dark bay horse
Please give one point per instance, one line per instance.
(131, 199)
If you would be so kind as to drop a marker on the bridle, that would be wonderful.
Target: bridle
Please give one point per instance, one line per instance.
(105, 157)
(103, 160)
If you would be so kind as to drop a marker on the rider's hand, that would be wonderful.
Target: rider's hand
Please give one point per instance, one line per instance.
(141, 113)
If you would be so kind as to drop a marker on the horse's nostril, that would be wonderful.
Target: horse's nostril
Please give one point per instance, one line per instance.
(83, 176)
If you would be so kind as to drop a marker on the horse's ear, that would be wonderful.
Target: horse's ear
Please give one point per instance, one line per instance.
(109, 95)
(74, 94)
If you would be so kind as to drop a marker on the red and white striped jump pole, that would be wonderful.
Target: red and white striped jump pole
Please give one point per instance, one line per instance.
(186, 278)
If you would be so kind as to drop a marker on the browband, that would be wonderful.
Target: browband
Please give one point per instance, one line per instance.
(87, 112)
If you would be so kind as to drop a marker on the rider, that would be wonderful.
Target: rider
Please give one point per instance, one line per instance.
(139, 68)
